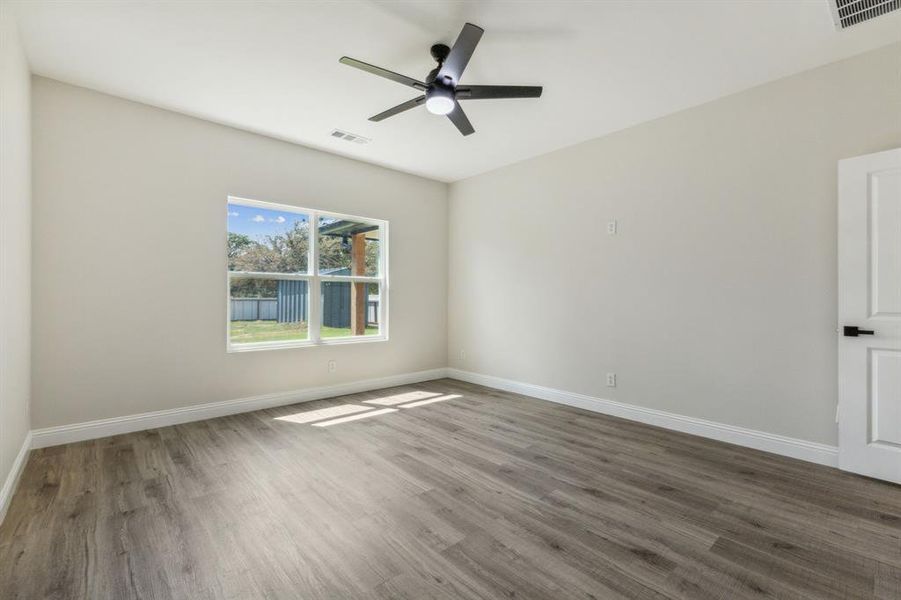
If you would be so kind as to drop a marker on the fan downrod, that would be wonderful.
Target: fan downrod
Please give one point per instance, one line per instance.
(439, 53)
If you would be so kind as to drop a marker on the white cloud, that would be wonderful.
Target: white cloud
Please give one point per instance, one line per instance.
(258, 219)
(233, 214)
(278, 219)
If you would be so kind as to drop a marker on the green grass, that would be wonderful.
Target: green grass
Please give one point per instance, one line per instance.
(249, 332)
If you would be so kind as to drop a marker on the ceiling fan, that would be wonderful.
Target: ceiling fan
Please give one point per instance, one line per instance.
(442, 89)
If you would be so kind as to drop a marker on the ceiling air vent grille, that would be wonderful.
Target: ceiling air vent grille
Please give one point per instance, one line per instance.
(847, 13)
(353, 137)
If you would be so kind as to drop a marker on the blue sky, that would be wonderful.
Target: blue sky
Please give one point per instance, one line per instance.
(260, 222)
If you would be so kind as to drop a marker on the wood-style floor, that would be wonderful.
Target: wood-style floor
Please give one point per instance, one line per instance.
(483, 495)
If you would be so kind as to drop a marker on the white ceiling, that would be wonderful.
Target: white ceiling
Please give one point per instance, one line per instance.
(272, 67)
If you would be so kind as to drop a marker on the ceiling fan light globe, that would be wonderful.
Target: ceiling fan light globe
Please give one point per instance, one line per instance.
(439, 104)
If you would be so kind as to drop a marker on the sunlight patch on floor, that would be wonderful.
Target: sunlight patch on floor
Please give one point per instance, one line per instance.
(371, 413)
(431, 400)
(346, 413)
(401, 398)
(324, 413)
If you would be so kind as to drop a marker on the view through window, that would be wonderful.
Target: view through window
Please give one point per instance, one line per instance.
(300, 276)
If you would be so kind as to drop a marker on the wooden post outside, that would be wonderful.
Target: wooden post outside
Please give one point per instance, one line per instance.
(358, 293)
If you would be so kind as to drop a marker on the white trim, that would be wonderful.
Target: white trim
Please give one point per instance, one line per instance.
(350, 278)
(760, 440)
(785, 446)
(66, 434)
(258, 346)
(384, 248)
(314, 301)
(269, 204)
(12, 479)
(331, 341)
(266, 275)
(352, 339)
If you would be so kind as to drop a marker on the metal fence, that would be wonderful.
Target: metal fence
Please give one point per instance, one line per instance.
(254, 309)
(291, 305)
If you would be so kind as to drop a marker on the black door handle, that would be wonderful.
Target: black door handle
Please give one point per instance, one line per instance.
(854, 331)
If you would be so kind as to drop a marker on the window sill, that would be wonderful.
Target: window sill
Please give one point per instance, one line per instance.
(260, 346)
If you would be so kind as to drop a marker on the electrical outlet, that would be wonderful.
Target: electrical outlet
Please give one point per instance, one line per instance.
(611, 227)
(332, 366)
(462, 354)
(611, 379)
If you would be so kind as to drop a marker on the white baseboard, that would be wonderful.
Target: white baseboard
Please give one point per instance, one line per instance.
(78, 432)
(760, 440)
(768, 442)
(12, 479)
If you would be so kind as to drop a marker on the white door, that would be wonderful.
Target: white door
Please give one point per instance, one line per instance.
(869, 284)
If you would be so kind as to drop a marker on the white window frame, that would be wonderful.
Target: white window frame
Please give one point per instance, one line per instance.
(314, 279)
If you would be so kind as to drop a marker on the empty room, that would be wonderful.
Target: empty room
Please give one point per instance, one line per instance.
(440, 300)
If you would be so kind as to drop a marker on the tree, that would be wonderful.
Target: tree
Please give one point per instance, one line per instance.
(237, 242)
(287, 252)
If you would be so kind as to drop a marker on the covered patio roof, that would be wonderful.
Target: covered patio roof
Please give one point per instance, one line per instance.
(343, 228)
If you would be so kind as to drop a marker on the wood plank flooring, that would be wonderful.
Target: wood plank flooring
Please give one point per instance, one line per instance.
(483, 494)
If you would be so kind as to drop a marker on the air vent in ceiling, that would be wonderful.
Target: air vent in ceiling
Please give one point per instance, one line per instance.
(350, 137)
(847, 13)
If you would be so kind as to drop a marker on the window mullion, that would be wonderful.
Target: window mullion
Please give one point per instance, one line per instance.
(268, 275)
(351, 278)
(228, 308)
(315, 293)
(383, 275)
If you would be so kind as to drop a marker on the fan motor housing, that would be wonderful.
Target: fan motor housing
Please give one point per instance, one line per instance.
(437, 90)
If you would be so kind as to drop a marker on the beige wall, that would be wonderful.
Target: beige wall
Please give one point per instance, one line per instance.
(15, 245)
(129, 258)
(717, 299)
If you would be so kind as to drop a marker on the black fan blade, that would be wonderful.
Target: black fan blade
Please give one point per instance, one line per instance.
(460, 54)
(398, 109)
(491, 92)
(458, 118)
(402, 79)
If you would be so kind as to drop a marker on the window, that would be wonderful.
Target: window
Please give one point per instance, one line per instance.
(302, 277)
